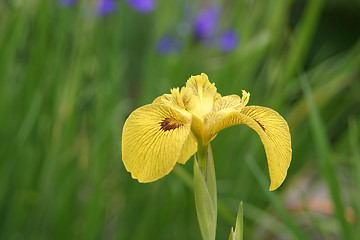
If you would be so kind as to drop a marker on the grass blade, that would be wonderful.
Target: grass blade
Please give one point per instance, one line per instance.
(323, 148)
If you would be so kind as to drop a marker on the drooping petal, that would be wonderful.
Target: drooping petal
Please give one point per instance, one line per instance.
(153, 139)
(274, 134)
(189, 148)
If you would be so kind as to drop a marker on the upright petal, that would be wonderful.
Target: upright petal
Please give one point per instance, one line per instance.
(152, 141)
(199, 95)
(231, 102)
(274, 134)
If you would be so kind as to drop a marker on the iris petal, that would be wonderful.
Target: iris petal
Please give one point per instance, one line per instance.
(199, 130)
(199, 94)
(189, 148)
(153, 139)
(227, 102)
(274, 134)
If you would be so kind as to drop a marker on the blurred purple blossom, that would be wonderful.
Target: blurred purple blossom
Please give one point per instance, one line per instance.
(142, 6)
(206, 23)
(68, 2)
(169, 44)
(105, 7)
(228, 41)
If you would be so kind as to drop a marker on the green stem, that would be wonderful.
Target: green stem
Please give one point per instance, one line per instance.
(202, 155)
(205, 192)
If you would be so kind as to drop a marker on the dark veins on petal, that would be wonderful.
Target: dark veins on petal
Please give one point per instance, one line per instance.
(260, 125)
(168, 124)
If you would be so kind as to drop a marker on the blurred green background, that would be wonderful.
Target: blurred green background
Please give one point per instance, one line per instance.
(69, 77)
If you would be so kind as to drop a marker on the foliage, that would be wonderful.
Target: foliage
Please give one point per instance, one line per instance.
(69, 77)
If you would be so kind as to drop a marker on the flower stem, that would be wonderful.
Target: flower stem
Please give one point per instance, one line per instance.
(205, 192)
(202, 155)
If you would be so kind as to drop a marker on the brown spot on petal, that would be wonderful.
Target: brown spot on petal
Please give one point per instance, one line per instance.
(168, 124)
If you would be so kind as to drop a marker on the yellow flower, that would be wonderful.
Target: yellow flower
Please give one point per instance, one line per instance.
(159, 135)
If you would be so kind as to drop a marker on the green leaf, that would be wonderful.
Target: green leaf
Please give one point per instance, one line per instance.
(322, 145)
(239, 230)
(210, 177)
(232, 236)
(238, 234)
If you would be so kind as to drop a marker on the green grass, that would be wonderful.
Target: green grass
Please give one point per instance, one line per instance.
(69, 79)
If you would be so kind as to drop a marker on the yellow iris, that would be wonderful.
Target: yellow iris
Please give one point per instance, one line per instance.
(168, 131)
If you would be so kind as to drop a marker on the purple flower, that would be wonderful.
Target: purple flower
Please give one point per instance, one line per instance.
(228, 40)
(142, 6)
(68, 2)
(206, 23)
(105, 7)
(169, 44)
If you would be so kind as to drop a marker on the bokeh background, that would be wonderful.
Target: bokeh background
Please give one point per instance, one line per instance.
(72, 71)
